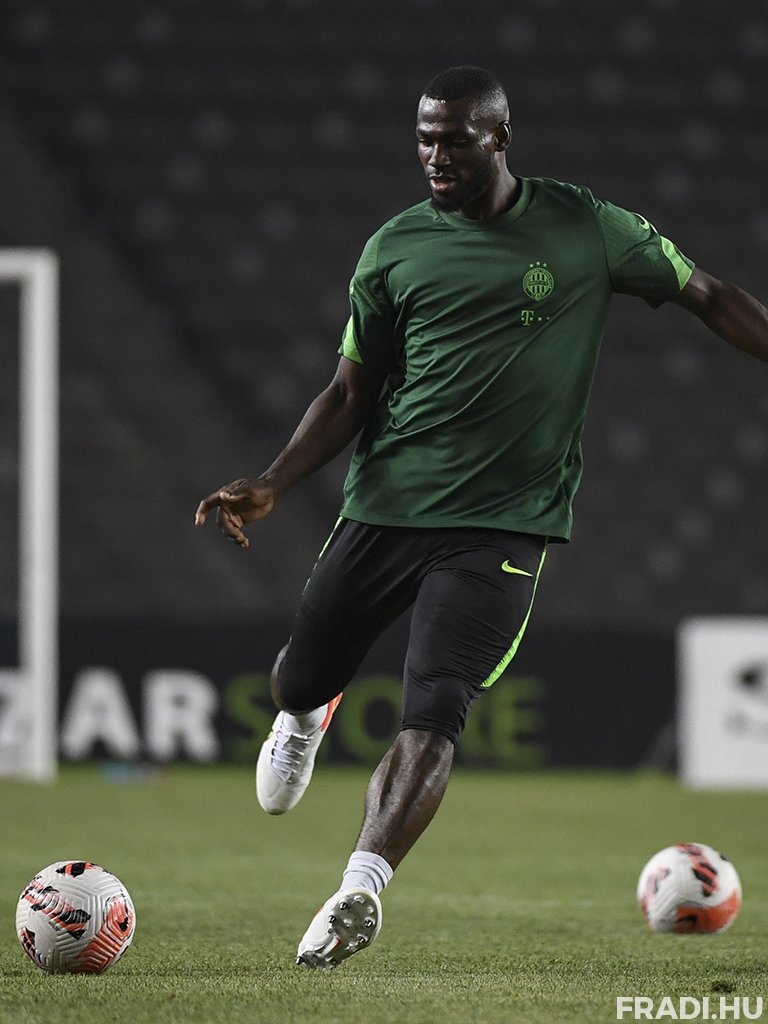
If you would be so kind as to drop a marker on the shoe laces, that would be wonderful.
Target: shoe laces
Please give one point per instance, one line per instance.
(288, 753)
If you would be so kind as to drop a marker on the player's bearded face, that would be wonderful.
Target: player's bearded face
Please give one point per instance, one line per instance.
(456, 151)
(470, 186)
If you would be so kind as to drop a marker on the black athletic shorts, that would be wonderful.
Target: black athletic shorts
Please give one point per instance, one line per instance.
(471, 591)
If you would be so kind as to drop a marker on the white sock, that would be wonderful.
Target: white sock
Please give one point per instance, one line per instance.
(306, 722)
(368, 870)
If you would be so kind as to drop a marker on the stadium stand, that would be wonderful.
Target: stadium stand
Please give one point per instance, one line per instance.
(209, 173)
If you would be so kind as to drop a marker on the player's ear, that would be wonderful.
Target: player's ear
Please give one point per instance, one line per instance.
(502, 136)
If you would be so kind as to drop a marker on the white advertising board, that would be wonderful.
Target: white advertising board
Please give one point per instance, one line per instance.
(723, 703)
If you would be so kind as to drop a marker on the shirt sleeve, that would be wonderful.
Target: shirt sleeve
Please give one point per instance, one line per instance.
(640, 260)
(369, 333)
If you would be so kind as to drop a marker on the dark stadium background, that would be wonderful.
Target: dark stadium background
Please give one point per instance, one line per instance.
(208, 174)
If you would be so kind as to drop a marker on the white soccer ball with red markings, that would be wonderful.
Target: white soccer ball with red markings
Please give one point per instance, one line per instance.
(75, 918)
(689, 888)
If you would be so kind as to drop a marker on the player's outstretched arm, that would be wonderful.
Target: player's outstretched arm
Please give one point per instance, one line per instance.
(334, 418)
(729, 311)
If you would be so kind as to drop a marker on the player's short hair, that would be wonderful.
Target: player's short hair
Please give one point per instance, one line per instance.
(466, 82)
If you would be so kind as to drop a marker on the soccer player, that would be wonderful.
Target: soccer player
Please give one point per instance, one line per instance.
(467, 361)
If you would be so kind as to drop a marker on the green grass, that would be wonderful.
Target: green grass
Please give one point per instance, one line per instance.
(517, 906)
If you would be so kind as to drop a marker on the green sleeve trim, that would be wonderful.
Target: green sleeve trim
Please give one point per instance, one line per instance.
(516, 643)
(679, 265)
(349, 345)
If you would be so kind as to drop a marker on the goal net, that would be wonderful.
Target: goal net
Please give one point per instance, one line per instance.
(29, 688)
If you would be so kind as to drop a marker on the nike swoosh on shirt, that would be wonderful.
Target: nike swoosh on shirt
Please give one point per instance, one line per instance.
(513, 568)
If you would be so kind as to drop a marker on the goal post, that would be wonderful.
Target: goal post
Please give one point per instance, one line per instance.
(29, 723)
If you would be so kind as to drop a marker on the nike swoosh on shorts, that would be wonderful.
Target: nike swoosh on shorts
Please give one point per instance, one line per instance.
(513, 568)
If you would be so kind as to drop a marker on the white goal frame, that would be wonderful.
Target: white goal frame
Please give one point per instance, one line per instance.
(34, 709)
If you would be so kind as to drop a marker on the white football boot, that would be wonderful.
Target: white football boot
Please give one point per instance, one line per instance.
(346, 923)
(285, 764)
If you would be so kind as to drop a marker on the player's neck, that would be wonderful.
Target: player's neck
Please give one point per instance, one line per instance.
(499, 197)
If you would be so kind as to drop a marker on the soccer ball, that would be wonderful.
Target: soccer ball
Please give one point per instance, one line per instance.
(689, 888)
(75, 918)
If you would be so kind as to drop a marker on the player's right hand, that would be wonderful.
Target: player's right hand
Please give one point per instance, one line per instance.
(242, 501)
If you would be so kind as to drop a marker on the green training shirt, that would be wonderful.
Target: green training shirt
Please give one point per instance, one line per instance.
(489, 333)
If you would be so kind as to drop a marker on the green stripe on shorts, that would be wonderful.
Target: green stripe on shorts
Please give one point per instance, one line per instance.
(330, 538)
(516, 642)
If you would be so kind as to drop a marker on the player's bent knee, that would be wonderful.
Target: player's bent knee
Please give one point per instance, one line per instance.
(296, 700)
(286, 695)
(274, 680)
(300, 688)
(441, 707)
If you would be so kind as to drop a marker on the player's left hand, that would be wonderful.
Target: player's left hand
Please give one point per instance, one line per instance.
(242, 501)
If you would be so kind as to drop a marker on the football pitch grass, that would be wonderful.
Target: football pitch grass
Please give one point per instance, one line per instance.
(517, 906)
